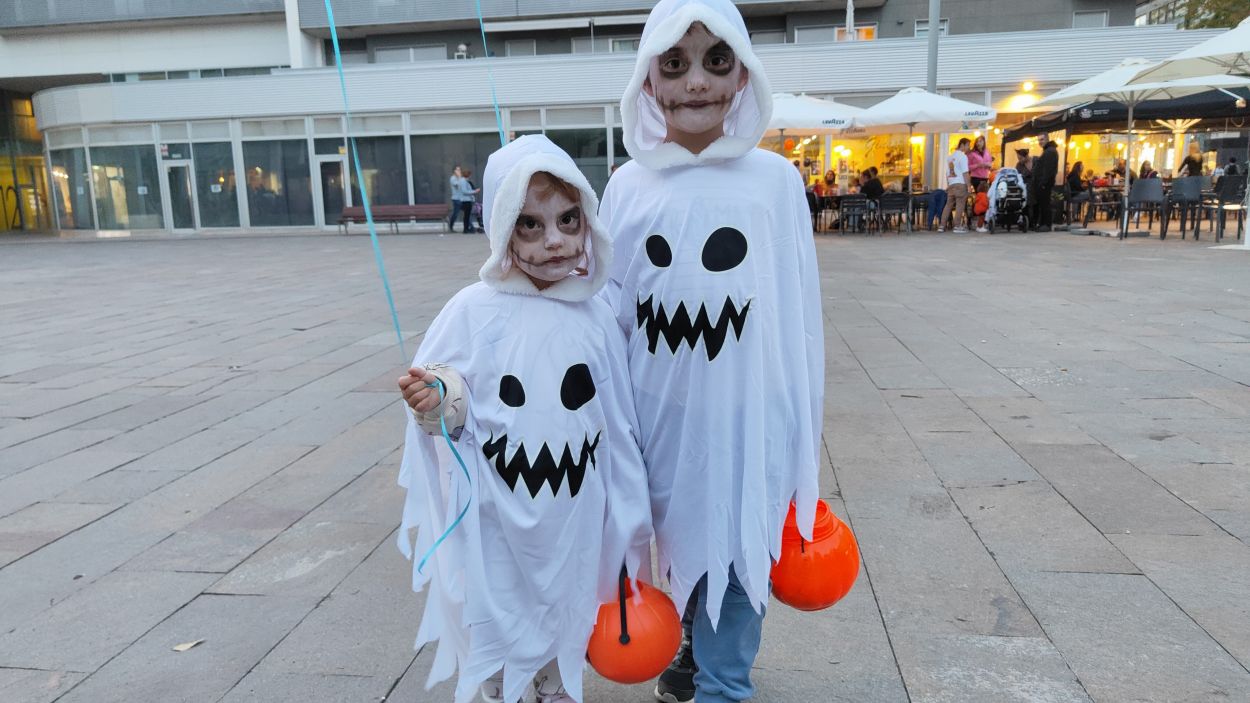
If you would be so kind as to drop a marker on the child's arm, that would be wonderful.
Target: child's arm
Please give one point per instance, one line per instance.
(422, 398)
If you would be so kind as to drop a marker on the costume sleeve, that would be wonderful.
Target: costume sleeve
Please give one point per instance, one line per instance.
(452, 410)
(611, 291)
(814, 352)
(627, 523)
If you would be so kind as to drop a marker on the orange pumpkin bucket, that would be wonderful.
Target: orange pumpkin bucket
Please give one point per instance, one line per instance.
(815, 575)
(637, 637)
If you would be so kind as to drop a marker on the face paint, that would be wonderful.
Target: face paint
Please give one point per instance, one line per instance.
(546, 467)
(723, 251)
(694, 84)
(549, 238)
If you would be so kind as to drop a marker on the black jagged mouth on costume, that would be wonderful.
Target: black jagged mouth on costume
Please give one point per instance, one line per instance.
(544, 468)
(678, 327)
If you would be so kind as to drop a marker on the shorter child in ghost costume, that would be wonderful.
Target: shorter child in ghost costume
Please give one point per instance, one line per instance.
(534, 395)
(716, 285)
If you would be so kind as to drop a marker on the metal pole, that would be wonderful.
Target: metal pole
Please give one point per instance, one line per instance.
(1128, 165)
(932, 147)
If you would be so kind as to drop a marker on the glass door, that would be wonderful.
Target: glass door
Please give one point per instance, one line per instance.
(333, 189)
(182, 209)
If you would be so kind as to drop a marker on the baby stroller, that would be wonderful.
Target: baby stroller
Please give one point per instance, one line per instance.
(1009, 199)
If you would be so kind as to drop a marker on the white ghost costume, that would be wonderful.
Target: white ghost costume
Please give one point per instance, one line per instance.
(715, 283)
(558, 494)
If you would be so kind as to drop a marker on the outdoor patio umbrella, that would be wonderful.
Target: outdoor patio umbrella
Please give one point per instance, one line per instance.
(921, 111)
(1114, 84)
(807, 115)
(1227, 53)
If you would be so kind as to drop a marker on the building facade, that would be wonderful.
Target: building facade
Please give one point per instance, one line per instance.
(161, 114)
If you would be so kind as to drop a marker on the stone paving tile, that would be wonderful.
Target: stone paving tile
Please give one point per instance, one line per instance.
(1111, 493)
(36, 686)
(33, 527)
(86, 630)
(48, 447)
(981, 669)
(972, 458)
(306, 688)
(1206, 576)
(309, 559)
(116, 486)
(1126, 641)
(53, 477)
(1029, 527)
(236, 631)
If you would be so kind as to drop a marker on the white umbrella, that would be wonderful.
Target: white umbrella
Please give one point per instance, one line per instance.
(1114, 84)
(921, 111)
(810, 115)
(1225, 53)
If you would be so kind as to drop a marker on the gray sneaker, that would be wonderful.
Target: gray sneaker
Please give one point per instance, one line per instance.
(676, 684)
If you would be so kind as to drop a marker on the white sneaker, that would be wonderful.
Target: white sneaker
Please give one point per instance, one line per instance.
(941, 229)
(982, 230)
(548, 687)
(960, 230)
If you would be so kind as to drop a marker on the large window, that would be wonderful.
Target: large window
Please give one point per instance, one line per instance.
(214, 180)
(408, 54)
(605, 45)
(831, 33)
(435, 155)
(520, 47)
(382, 163)
(71, 189)
(589, 149)
(279, 189)
(127, 187)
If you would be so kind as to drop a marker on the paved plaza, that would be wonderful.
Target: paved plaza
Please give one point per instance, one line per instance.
(1041, 441)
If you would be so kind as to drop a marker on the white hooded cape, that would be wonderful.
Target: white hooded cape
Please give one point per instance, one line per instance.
(558, 491)
(715, 283)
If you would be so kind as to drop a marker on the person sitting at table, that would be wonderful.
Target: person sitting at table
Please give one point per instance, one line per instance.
(1147, 171)
(1078, 195)
(871, 185)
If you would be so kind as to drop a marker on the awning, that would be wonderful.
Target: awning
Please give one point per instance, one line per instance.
(1113, 116)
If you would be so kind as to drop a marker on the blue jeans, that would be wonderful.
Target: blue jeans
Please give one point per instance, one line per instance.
(937, 202)
(725, 655)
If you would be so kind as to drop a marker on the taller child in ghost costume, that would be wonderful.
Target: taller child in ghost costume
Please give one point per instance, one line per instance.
(537, 402)
(715, 283)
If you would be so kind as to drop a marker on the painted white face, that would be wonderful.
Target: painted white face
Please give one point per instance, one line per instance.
(549, 238)
(694, 83)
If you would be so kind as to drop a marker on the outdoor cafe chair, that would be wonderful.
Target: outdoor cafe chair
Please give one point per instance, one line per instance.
(853, 212)
(892, 208)
(1185, 200)
(1106, 201)
(1230, 196)
(1146, 195)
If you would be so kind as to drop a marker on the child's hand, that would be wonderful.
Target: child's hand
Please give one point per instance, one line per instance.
(418, 390)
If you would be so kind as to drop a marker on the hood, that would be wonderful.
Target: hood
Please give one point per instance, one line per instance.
(505, 181)
(641, 117)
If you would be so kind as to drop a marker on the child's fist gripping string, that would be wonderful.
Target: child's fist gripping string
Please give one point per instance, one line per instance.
(421, 394)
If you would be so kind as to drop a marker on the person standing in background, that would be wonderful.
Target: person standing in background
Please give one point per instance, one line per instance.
(453, 187)
(957, 182)
(1044, 172)
(979, 163)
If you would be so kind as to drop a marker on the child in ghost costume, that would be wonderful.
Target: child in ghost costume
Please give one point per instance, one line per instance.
(716, 286)
(534, 395)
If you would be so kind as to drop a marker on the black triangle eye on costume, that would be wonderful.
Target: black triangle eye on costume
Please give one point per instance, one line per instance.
(578, 387)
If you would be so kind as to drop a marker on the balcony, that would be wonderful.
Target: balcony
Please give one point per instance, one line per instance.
(19, 15)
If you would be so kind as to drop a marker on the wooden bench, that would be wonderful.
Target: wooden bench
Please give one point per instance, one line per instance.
(395, 214)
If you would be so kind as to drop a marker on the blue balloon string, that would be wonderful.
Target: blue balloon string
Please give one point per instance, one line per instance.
(490, 74)
(442, 423)
(364, 190)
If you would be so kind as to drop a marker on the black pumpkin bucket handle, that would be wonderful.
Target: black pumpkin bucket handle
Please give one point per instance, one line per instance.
(624, 639)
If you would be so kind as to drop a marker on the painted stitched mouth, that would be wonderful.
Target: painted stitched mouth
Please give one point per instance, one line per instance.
(679, 327)
(545, 468)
